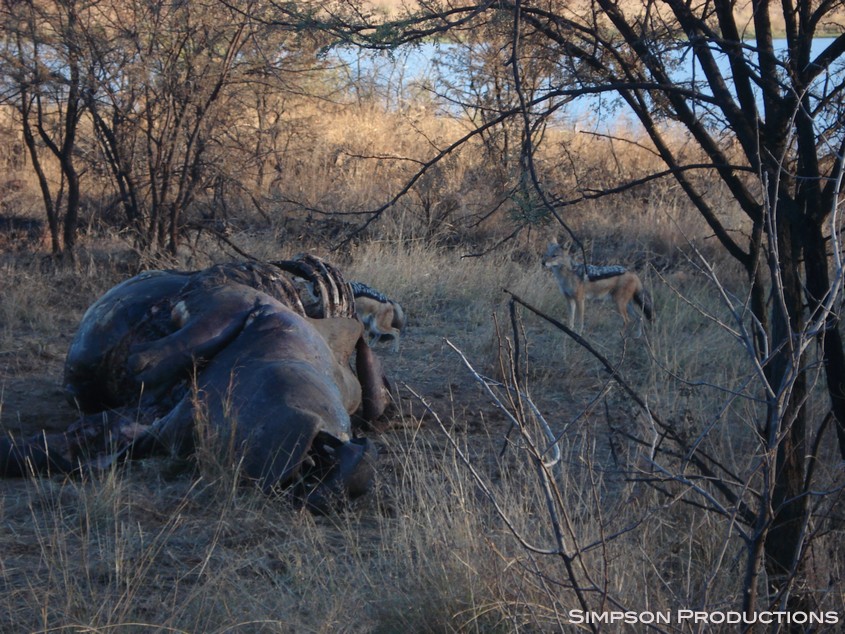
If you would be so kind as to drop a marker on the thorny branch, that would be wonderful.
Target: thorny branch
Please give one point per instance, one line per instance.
(698, 457)
(559, 549)
(550, 492)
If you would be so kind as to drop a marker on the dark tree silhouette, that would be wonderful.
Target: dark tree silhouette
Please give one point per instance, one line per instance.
(42, 61)
(770, 129)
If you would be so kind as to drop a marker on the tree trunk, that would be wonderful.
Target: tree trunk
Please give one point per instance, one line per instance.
(833, 358)
(786, 430)
(72, 210)
(69, 145)
(43, 184)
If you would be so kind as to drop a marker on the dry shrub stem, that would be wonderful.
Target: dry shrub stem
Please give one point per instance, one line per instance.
(550, 491)
(661, 538)
(689, 453)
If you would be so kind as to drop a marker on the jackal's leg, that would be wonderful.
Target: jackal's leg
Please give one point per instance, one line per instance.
(580, 300)
(622, 305)
(636, 316)
(573, 305)
(375, 337)
(382, 324)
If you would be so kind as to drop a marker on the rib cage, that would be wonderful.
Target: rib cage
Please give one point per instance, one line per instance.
(330, 294)
(258, 275)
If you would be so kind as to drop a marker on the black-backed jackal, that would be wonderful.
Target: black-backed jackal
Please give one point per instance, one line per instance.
(578, 284)
(380, 315)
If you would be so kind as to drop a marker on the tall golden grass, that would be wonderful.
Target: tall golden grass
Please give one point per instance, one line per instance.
(159, 546)
(152, 549)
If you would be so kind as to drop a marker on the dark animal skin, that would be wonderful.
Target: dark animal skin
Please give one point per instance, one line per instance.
(95, 377)
(269, 399)
(205, 321)
(226, 353)
(35, 455)
(140, 311)
(92, 438)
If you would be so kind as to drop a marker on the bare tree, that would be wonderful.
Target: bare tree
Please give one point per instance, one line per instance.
(184, 98)
(42, 60)
(161, 70)
(769, 129)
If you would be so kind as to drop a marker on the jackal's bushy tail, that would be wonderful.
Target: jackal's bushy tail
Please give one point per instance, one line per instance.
(398, 316)
(643, 299)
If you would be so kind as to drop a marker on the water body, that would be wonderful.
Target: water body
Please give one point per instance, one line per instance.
(416, 74)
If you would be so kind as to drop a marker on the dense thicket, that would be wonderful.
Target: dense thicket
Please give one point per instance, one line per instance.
(155, 105)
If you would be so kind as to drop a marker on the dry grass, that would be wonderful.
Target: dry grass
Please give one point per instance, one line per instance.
(161, 547)
(157, 549)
